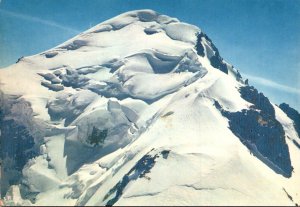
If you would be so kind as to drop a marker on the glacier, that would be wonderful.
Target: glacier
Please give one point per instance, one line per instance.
(142, 110)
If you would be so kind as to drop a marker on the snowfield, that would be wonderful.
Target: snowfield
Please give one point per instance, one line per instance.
(142, 110)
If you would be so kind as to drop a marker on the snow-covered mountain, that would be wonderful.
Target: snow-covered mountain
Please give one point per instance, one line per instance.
(142, 110)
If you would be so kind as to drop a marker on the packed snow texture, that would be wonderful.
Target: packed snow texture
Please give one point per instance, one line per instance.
(142, 110)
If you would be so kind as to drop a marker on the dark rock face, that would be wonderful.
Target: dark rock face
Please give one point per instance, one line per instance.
(165, 153)
(296, 143)
(142, 167)
(199, 47)
(260, 132)
(216, 60)
(250, 94)
(17, 143)
(264, 134)
(20, 59)
(97, 137)
(292, 114)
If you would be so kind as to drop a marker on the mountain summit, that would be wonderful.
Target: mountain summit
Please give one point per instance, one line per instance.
(142, 110)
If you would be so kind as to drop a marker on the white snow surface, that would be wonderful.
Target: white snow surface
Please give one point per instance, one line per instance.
(143, 81)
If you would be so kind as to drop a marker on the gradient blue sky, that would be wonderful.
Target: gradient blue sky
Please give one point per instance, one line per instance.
(259, 37)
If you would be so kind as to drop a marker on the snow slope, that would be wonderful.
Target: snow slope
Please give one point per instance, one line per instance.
(141, 110)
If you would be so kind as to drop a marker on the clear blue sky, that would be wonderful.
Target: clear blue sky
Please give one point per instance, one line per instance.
(259, 37)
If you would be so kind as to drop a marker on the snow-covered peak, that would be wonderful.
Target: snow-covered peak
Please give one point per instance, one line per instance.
(160, 42)
(142, 109)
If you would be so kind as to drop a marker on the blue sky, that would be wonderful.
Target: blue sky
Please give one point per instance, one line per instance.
(259, 37)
